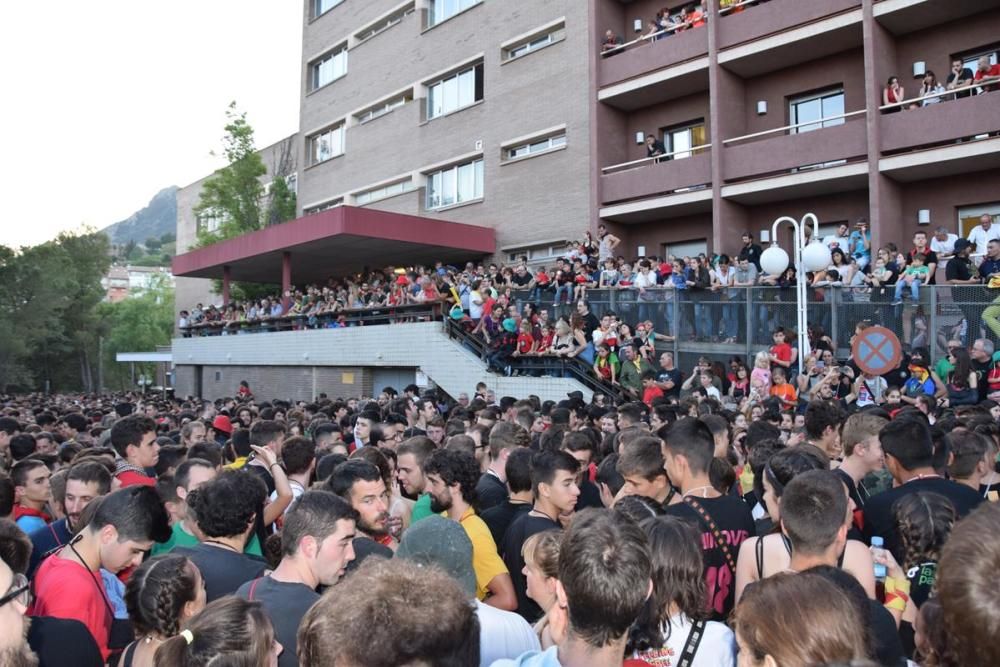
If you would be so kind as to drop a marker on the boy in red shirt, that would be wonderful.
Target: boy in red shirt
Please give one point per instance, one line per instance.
(649, 389)
(134, 440)
(68, 583)
(781, 351)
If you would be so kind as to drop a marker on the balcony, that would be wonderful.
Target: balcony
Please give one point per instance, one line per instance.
(780, 34)
(901, 17)
(647, 178)
(646, 72)
(755, 155)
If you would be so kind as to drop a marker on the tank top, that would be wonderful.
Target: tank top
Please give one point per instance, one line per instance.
(759, 553)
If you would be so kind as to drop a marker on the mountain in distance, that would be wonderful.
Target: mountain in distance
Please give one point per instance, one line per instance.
(157, 218)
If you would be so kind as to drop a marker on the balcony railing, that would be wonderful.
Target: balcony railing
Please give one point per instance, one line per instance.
(740, 320)
(647, 161)
(341, 318)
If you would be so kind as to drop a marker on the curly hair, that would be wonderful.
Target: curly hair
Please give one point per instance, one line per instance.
(226, 505)
(456, 467)
(924, 521)
(157, 592)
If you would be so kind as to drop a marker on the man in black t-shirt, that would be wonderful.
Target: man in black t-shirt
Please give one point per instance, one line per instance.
(750, 251)
(224, 510)
(909, 457)
(504, 437)
(553, 480)
(921, 247)
(724, 521)
(521, 277)
(959, 76)
(517, 470)
(669, 378)
(961, 272)
(316, 546)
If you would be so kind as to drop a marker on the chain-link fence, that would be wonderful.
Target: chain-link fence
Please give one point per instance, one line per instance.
(740, 321)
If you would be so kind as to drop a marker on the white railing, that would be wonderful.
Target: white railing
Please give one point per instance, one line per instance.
(648, 38)
(636, 164)
(946, 96)
(785, 128)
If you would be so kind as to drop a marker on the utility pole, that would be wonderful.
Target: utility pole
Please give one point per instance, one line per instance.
(100, 364)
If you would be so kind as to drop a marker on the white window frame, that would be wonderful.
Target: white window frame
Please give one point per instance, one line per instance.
(393, 189)
(384, 107)
(450, 9)
(384, 23)
(210, 221)
(449, 187)
(794, 102)
(335, 134)
(535, 147)
(325, 206)
(546, 251)
(536, 41)
(317, 6)
(690, 248)
(339, 71)
(450, 88)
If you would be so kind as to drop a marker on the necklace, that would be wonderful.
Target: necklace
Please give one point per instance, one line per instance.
(539, 512)
(222, 544)
(706, 489)
(930, 475)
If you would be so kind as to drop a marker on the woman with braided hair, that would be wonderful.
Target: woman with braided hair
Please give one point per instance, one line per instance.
(229, 631)
(162, 594)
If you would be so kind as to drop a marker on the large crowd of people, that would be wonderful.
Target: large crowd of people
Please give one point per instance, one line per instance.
(419, 528)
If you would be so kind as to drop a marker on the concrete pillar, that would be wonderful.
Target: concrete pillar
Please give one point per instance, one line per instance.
(286, 278)
(226, 272)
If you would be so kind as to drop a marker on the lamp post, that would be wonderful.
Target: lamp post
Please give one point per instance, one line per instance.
(812, 257)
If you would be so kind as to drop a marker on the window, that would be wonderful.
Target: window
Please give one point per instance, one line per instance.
(384, 23)
(382, 108)
(968, 218)
(328, 68)
(442, 10)
(325, 206)
(455, 185)
(683, 140)
(293, 182)
(535, 146)
(327, 144)
(210, 220)
(685, 248)
(455, 91)
(534, 42)
(538, 253)
(391, 190)
(816, 107)
(321, 7)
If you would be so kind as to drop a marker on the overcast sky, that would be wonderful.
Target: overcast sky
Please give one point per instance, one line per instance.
(107, 102)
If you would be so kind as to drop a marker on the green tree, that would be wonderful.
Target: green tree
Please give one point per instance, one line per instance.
(281, 204)
(153, 244)
(169, 237)
(139, 323)
(234, 192)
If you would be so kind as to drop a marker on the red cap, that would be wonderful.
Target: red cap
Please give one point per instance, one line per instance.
(222, 423)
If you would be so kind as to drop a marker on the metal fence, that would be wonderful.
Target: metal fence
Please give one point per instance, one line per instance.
(740, 321)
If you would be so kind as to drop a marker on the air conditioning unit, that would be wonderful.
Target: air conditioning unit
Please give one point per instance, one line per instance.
(479, 144)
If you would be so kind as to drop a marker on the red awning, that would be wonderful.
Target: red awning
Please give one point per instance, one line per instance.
(337, 242)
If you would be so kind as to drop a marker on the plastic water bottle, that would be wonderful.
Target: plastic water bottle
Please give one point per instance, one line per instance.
(878, 544)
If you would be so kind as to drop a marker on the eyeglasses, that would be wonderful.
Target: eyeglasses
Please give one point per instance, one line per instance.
(19, 591)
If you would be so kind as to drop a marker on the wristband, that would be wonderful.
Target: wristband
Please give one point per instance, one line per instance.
(274, 464)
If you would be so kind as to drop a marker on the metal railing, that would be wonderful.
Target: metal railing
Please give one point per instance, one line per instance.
(341, 318)
(651, 37)
(946, 96)
(786, 128)
(646, 161)
(740, 320)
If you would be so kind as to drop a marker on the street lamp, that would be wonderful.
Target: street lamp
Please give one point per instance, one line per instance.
(812, 257)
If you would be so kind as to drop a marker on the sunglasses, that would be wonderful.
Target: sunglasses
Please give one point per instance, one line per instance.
(19, 591)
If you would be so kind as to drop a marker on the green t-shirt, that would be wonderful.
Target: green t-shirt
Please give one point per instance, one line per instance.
(181, 538)
(943, 369)
(421, 509)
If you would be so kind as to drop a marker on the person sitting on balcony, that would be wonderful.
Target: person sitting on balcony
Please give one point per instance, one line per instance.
(984, 70)
(915, 275)
(930, 86)
(893, 93)
(943, 243)
(959, 76)
(611, 43)
(654, 147)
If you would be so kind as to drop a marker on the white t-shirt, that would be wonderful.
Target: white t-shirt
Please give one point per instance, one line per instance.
(503, 634)
(946, 247)
(717, 647)
(476, 309)
(841, 241)
(871, 388)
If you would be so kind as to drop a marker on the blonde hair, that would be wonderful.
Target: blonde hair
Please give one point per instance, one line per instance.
(541, 551)
(762, 360)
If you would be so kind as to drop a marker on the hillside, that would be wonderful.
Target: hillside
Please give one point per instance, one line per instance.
(157, 218)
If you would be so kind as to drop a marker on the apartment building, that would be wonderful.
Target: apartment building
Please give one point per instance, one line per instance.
(470, 111)
(775, 108)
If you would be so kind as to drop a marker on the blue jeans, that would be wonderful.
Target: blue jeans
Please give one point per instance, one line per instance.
(567, 289)
(914, 290)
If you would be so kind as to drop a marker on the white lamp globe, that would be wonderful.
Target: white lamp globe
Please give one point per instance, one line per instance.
(816, 256)
(774, 261)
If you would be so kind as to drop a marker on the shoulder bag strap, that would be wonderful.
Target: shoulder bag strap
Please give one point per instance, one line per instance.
(693, 641)
(714, 530)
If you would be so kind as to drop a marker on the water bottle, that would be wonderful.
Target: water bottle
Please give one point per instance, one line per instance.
(878, 544)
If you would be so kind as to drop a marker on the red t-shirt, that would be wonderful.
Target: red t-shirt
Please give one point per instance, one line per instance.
(545, 343)
(650, 393)
(785, 392)
(524, 342)
(782, 351)
(65, 589)
(131, 478)
(542, 278)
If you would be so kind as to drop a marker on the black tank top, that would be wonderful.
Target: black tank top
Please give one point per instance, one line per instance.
(759, 552)
(128, 655)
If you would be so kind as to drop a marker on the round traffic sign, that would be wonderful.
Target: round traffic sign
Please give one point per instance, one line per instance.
(876, 350)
